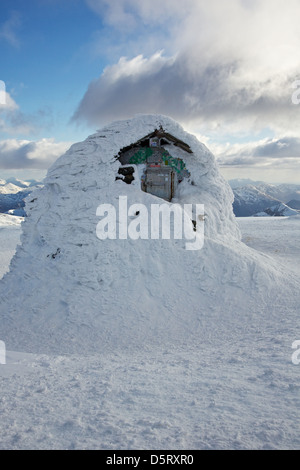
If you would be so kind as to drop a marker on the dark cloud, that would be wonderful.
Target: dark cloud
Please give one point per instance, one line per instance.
(284, 151)
(288, 147)
(206, 96)
(16, 157)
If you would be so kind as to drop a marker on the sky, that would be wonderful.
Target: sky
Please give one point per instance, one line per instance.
(228, 72)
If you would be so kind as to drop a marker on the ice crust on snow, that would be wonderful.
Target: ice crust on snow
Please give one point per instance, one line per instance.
(77, 294)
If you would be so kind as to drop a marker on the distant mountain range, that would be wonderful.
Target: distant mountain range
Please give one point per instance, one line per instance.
(12, 195)
(251, 198)
(256, 198)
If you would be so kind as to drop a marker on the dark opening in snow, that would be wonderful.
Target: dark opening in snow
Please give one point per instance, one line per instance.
(161, 172)
(126, 173)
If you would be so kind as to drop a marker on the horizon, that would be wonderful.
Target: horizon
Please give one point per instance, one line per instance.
(40, 175)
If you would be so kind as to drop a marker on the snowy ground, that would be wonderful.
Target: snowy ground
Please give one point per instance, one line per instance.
(276, 236)
(237, 389)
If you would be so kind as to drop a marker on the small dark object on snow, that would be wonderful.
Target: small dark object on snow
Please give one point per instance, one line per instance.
(53, 256)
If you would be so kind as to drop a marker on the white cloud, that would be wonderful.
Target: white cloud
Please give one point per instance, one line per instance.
(119, 12)
(8, 103)
(13, 121)
(8, 29)
(134, 69)
(226, 71)
(226, 66)
(261, 33)
(20, 153)
(25, 154)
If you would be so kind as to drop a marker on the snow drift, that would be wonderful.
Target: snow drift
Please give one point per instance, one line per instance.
(69, 292)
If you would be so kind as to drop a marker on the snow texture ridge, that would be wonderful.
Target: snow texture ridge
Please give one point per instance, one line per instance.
(69, 292)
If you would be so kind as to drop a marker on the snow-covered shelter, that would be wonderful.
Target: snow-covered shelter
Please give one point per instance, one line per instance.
(161, 170)
(78, 292)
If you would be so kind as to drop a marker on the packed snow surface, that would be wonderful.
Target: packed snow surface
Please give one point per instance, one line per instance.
(233, 389)
(141, 343)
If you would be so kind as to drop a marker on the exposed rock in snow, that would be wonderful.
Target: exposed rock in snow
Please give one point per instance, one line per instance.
(278, 210)
(77, 293)
(294, 204)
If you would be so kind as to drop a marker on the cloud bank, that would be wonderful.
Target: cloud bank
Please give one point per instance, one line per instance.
(25, 154)
(231, 64)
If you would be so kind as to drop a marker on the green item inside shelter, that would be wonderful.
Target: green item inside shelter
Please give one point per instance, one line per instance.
(142, 154)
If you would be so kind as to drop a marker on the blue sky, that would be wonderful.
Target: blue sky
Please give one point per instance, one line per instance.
(46, 63)
(224, 70)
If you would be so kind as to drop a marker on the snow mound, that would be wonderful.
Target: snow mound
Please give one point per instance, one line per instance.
(69, 292)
